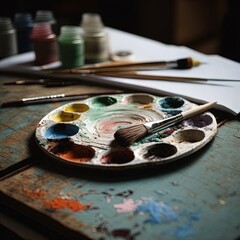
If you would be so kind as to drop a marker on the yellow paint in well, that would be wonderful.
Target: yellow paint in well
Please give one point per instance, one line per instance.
(63, 116)
(77, 107)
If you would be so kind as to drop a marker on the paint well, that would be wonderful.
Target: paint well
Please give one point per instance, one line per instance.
(77, 107)
(172, 105)
(61, 131)
(117, 156)
(189, 136)
(103, 101)
(139, 99)
(200, 121)
(160, 150)
(74, 152)
(63, 116)
(81, 124)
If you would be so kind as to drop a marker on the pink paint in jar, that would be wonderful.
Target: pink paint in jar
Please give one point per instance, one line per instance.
(44, 43)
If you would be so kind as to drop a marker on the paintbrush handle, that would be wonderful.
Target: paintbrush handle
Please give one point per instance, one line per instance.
(184, 63)
(118, 69)
(55, 98)
(106, 64)
(153, 127)
(197, 110)
(135, 75)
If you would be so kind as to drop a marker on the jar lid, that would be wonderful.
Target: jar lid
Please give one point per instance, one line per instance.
(5, 24)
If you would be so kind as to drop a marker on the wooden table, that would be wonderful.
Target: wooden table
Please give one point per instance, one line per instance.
(197, 197)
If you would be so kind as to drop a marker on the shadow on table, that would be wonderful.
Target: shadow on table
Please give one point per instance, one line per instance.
(46, 162)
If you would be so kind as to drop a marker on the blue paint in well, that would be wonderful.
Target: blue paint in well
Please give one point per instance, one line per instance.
(61, 131)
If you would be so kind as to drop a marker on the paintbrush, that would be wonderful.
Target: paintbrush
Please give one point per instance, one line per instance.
(184, 63)
(44, 82)
(55, 98)
(135, 75)
(68, 76)
(127, 136)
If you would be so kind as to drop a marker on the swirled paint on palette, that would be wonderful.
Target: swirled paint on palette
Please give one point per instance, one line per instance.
(81, 133)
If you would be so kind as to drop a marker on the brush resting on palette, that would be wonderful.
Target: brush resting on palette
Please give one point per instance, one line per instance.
(127, 136)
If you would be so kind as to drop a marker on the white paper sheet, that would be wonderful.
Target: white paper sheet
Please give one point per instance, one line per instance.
(214, 67)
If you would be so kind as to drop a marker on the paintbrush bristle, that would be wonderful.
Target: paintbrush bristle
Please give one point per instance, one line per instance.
(184, 63)
(127, 136)
(187, 63)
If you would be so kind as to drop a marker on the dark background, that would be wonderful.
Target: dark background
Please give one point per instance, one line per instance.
(208, 26)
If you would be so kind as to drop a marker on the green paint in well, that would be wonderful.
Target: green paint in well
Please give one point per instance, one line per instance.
(103, 101)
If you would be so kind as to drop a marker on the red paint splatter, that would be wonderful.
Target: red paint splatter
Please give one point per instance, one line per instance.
(72, 204)
(35, 194)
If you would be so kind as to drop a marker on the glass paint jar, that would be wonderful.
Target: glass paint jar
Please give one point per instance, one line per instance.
(44, 43)
(8, 38)
(71, 47)
(95, 38)
(47, 16)
(23, 23)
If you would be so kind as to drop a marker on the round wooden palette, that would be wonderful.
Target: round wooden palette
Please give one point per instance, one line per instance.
(81, 132)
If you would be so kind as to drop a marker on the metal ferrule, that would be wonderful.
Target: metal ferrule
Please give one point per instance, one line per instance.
(171, 64)
(156, 126)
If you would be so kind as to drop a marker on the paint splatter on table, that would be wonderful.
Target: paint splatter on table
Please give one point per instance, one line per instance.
(198, 198)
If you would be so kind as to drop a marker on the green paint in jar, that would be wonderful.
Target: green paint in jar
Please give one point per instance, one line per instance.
(71, 47)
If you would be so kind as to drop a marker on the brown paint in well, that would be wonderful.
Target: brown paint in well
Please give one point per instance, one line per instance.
(74, 152)
(118, 156)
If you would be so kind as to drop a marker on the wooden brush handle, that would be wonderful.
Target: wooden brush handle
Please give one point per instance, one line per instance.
(135, 75)
(197, 110)
(153, 127)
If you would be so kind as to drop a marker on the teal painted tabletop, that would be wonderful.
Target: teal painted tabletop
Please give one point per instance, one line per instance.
(196, 197)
